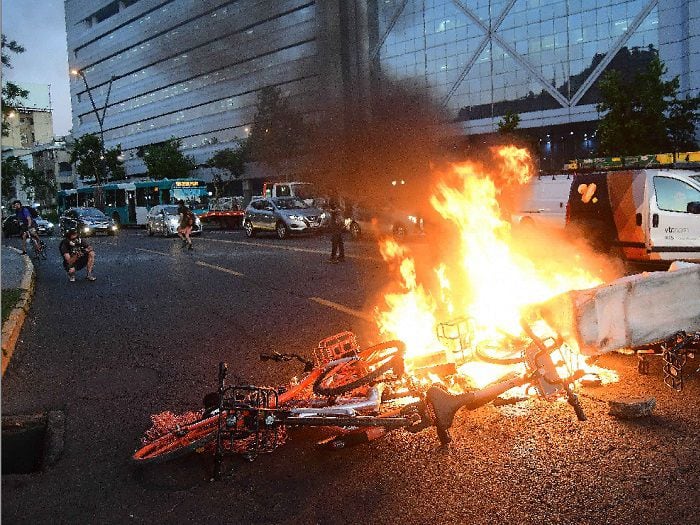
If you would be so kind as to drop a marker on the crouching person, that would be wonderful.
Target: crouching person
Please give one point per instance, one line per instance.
(77, 254)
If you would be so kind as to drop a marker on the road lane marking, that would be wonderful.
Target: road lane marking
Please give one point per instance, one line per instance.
(153, 251)
(292, 249)
(319, 300)
(220, 268)
(344, 309)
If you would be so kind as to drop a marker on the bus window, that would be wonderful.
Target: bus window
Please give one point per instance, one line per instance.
(165, 197)
(110, 197)
(141, 196)
(120, 198)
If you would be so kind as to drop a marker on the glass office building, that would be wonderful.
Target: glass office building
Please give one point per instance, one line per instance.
(192, 68)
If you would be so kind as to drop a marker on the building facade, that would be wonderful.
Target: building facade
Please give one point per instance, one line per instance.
(192, 69)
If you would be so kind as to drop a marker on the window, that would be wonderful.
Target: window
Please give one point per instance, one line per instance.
(674, 195)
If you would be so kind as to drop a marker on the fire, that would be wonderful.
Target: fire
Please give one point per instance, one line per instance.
(489, 279)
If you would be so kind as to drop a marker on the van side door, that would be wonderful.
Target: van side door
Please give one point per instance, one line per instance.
(674, 232)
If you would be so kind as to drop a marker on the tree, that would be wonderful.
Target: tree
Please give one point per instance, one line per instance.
(12, 168)
(509, 123)
(87, 154)
(165, 160)
(40, 185)
(230, 160)
(278, 132)
(11, 92)
(643, 115)
(682, 117)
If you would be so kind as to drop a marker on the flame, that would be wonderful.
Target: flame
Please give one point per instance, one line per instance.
(490, 278)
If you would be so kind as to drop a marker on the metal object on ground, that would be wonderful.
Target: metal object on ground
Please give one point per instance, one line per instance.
(630, 408)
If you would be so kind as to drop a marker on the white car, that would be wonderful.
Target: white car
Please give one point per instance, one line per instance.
(164, 220)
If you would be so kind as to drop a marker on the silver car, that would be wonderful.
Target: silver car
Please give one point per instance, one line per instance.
(282, 215)
(164, 220)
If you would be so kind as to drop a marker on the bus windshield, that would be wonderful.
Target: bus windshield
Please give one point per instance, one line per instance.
(195, 198)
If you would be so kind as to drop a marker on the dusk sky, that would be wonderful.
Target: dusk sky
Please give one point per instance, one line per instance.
(39, 26)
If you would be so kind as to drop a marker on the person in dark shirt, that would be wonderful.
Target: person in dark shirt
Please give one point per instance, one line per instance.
(77, 254)
(336, 227)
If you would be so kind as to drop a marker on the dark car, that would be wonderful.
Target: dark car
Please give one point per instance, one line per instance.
(10, 226)
(88, 221)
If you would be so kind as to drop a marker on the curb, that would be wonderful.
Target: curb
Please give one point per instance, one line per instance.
(13, 326)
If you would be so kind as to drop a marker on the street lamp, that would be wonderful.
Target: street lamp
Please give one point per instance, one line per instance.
(100, 121)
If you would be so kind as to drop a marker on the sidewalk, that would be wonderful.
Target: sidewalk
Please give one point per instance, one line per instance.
(12, 268)
(17, 272)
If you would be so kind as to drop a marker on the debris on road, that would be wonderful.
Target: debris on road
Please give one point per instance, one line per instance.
(632, 408)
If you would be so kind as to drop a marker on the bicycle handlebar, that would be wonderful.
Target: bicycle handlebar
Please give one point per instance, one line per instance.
(276, 356)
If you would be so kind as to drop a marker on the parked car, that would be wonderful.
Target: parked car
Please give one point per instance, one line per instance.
(282, 215)
(10, 226)
(386, 220)
(88, 221)
(164, 220)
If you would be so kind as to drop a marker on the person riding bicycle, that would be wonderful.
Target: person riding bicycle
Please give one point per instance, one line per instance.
(27, 226)
(77, 254)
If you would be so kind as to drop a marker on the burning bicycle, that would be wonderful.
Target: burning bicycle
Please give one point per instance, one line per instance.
(360, 394)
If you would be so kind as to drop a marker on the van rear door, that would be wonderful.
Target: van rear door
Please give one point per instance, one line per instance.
(674, 233)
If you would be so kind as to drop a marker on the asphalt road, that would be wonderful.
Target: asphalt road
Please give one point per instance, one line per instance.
(148, 335)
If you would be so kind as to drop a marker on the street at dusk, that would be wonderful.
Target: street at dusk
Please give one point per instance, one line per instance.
(148, 335)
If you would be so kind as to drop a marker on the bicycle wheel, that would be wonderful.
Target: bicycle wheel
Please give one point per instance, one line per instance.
(369, 366)
(178, 443)
(500, 356)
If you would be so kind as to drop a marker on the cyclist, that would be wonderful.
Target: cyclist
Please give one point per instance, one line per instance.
(27, 226)
(77, 254)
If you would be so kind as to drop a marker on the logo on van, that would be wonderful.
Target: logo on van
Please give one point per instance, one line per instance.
(587, 192)
(671, 229)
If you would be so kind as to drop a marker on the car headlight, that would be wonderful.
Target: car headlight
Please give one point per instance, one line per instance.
(86, 229)
(296, 217)
(114, 227)
(323, 215)
(49, 225)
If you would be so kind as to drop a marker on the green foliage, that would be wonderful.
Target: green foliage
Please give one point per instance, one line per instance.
(231, 160)
(165, 160)
(87, 153)
(11, 92)
(509, 123)
(643, 115)
(13, 168)
(10, 297)
(682, 117)
(278, 132)
(40, 185)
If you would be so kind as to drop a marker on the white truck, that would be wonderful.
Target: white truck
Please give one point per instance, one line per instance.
(542, 201)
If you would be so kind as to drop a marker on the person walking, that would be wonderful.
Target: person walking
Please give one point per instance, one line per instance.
(186, 222)
(337, 225)
(77, 254)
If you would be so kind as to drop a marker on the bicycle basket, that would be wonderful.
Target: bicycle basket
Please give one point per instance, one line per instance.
(342, 344)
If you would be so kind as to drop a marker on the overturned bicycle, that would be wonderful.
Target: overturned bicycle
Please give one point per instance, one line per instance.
(362, 394)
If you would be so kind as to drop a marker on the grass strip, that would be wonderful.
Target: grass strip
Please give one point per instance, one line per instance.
(10, 298)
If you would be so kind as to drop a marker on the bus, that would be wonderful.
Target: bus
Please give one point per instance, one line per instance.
(127, 203)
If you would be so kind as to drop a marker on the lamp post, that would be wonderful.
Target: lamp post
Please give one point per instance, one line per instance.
(100, 122)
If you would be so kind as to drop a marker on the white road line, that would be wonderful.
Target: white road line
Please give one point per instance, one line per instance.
(220, 268)
(341, 308)
(319, 300)
(292, 249)
(153, 251)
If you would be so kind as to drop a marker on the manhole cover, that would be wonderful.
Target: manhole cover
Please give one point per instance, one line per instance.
(31, 442)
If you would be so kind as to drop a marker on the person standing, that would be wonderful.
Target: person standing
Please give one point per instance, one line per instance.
(27, 227)
(337, 225)
(186, 222)
(77, 254)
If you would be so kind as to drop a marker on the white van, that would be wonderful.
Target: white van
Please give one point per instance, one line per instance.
(543, 201)
(646, 215)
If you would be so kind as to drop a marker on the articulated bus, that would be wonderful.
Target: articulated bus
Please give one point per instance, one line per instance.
(128, 202)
